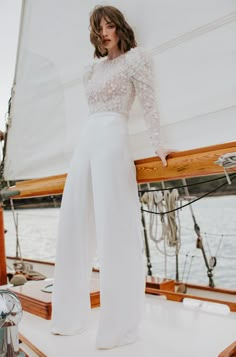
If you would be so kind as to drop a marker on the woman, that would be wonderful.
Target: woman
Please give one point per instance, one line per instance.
(100, 201)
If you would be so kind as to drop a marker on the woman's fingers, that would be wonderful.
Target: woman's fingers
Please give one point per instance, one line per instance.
(162, 153)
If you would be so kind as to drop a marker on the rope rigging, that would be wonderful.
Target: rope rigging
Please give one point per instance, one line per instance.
(163, 203)
(232, 177)
(182, 186)
(170, 226)
(156, 201)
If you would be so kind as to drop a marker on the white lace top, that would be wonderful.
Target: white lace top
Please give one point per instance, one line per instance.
(111, 85)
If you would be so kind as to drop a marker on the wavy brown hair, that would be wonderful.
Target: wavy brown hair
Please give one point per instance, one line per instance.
(123, 30)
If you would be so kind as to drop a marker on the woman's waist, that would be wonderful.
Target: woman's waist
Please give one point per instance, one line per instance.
(107, 115)
(107, 121)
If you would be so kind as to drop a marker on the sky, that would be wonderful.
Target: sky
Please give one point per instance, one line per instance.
(9, 27)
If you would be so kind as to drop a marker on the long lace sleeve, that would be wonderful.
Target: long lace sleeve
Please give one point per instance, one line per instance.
(140, 67)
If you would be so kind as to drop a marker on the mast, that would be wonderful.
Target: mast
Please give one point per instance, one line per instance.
(3, 264)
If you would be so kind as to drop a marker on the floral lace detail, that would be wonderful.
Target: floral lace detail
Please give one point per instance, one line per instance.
(111, 85)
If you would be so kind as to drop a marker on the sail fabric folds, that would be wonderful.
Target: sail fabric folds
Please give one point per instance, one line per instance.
(193, 47)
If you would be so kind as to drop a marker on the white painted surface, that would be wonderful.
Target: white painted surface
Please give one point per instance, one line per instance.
(169, 329)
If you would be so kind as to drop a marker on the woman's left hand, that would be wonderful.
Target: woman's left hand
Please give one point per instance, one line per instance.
(162, 153)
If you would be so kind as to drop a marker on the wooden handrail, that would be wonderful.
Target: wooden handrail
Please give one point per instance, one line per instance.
(191, 163)
(184, 164)
(229, 351)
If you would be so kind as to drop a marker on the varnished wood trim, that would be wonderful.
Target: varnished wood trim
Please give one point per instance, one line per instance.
(208, 288)
(230, 145)
(41, 306)
(179, 297)
(191, 163)
(53, 185)
(229, 351)
(31, 346)
(25, 354)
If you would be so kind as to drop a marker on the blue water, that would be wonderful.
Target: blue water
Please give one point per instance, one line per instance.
(215, 216)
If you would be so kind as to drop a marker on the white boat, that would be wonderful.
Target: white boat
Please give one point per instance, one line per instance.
(191, 43)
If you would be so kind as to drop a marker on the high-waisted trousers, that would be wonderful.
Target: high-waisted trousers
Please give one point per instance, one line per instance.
(100, 211)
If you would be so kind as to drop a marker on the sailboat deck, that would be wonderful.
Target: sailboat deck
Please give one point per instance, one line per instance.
(168, 329)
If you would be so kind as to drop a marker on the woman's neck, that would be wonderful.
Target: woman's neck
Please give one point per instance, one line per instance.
(113, 53)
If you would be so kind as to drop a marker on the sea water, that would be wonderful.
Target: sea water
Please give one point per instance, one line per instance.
(216, 217)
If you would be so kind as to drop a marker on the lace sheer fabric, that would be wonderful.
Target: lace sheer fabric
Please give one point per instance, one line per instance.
(111, 85)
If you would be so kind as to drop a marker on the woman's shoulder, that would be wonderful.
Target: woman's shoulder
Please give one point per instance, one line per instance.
(138, 57)
(138, 52)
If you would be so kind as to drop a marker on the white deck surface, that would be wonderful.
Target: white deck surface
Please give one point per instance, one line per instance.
(169, 329)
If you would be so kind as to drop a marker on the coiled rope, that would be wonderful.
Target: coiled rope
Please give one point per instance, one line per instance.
(158, 203)
(232, 177)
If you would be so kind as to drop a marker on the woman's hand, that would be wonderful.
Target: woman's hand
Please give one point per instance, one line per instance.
(162, 153)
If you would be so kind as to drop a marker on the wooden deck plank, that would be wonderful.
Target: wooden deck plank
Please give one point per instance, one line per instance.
(31, 346)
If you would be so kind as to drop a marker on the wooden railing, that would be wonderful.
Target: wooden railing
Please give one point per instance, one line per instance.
(191, 163)
(229, 351)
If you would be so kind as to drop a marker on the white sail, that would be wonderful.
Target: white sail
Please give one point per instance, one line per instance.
(193, 46)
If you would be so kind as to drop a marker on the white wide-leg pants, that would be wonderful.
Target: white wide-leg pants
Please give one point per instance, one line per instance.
(100, 208)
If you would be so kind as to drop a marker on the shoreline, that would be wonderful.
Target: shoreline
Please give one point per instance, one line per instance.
(56, 204)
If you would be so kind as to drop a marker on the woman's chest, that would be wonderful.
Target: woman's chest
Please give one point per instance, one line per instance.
(108, 79)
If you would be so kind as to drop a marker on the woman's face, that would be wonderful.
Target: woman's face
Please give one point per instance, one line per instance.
(108, 34)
